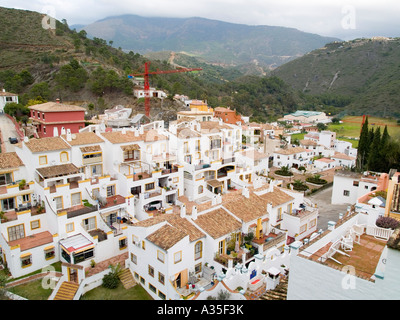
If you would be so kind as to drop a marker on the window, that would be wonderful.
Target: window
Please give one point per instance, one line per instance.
(70, 227)
(177, 256)
(49, 253)
(161, 278)
(279, 217)
(110, 190)
(160, 256)
(5, 178)
(35, 224)
(134, 258)
(197, 268)
(26, 197)
(26, 261)
(221, 247)
(64, 156)
(356, 183)
(16, 232)
(76, 199)
(200, 189)
(149, 186)
(59, 202)
(313, 223)
(89, 223)
(123, 243)
(346, 193)
(96, 170)
(82, 256)
(161, 295)
(303, 228)
(42, 160)
(95, 193)
(198, 250)
(131, 155)
(152, 288)
(8, 204)
(151, 271)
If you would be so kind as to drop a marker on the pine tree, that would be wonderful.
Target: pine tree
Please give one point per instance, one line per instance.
(363, 146)
(374, 156)
(384, 152)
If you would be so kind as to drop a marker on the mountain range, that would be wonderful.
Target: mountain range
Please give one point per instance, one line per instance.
(367, 71)
(213, 41)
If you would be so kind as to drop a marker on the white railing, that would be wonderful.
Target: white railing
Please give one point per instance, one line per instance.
(379, 233)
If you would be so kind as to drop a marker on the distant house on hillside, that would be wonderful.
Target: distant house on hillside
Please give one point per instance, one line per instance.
(7, 97)
(228, 115)
(306, 117)
(55, 117)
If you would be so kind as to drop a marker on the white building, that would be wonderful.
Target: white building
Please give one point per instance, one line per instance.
(351, 261)
(349, 186)
(292, 157)
(7, 97)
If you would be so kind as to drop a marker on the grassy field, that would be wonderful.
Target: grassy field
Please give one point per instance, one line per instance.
(120, 293)
(32, 290)
(351, 128)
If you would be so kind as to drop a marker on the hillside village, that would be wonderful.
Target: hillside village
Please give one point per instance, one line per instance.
(192, 208)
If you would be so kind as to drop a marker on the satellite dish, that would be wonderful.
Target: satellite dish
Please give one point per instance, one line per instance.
(73, 136)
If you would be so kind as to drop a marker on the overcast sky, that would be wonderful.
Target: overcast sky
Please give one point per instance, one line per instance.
(338, 18)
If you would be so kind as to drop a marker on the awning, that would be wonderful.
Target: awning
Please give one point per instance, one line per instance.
(57, 170)
(90, 149)
(130, 147)
(76, 243)
(215, 183)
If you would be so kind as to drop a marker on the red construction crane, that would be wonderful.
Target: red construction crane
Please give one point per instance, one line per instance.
(147, 84)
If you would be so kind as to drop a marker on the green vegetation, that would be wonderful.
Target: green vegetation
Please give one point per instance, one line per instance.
(32, 290)
(377, 151)
(316, 179)
(359, 76)
(119, 293)
(111, 280)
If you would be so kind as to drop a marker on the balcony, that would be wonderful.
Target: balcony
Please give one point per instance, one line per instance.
(12, 214)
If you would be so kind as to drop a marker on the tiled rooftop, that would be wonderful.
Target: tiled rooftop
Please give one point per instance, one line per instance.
(47, 144)
(9, 160)
(83, 138)
(218, 223)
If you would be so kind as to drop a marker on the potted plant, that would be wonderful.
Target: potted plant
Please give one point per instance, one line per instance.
(22, 184)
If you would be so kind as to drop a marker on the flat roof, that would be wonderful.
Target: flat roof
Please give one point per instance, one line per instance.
(76, 242)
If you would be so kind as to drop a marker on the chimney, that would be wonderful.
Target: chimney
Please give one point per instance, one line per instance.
(194, 212)
(69, 137)
(214, 200)
(245, 192)
(183, 211)
(57, 100)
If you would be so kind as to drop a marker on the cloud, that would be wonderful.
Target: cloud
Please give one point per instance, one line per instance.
(322, 17)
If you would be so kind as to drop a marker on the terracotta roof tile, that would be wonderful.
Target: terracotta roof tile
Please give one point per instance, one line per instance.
(57, 170)
(291, 150)
(218, 223)
(247, 209)
(129, 136)
(47, 144)
(10, 160)
(82, 138)
(276, 197)
(55, 107)
(166, 236)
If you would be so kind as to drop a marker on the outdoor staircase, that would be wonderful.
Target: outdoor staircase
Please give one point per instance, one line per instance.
(66, 291)
(279, 293)
(127, 279)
